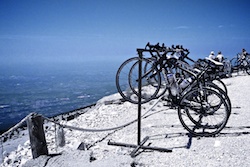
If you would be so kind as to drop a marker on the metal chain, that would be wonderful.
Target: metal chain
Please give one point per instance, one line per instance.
(107, 129)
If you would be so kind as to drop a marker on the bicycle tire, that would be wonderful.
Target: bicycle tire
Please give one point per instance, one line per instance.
(164, 82)
(220, 84)
(196, 118)
(247, 67)
(150, 80)
(215, 87)
(235, 64)
(122, 82)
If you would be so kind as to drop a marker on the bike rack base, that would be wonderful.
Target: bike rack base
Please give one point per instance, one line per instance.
(140, 146)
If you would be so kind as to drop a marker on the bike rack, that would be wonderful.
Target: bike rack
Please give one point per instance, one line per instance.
(140, 143)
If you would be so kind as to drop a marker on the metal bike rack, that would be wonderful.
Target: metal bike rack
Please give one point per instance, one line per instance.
(140, 143)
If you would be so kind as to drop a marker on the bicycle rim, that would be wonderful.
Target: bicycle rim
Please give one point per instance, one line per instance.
(150, 80)
(127, 70)
(203, 112)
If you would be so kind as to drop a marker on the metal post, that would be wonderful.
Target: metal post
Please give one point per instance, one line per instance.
(139, 97)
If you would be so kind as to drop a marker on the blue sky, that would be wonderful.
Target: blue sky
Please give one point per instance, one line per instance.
(79, 30)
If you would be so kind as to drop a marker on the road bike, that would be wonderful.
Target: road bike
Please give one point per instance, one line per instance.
(241, 63)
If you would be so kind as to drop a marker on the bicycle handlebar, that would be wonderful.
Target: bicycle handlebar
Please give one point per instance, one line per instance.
(173, 48)
(162, 51)
(155, 47)
(180, 48)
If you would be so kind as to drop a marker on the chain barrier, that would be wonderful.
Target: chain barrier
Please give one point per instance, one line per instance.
(18, 125)
(106, 129)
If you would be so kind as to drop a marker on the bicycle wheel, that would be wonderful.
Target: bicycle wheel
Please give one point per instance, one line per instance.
(220, 84)
(150, 79)
(235, 64)
(215, 87)
(123, 84)
(221, 88)
(203, 112)
(152, 63)
(248, 69)
(247, 66)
